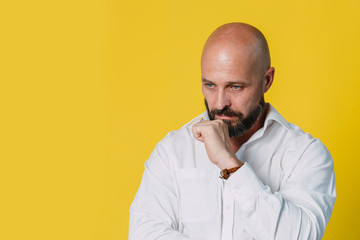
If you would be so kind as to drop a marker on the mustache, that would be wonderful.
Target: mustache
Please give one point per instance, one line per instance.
(226, 112)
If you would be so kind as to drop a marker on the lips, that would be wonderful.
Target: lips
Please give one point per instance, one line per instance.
(225, 117)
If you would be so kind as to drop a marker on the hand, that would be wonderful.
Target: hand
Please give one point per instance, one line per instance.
(214, 134)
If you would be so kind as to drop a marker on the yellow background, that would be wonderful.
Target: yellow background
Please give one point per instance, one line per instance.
(87, 88)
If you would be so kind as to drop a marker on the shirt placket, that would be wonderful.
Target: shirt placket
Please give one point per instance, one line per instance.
(227, 213)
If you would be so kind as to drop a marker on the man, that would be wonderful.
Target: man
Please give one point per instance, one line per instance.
(277, 182)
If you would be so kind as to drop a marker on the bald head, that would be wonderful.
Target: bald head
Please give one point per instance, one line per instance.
(238, 43)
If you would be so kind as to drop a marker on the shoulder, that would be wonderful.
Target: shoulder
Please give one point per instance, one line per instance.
(296, 146)
(306, 143)
(293, 137)
(310, 162)
(178, 141)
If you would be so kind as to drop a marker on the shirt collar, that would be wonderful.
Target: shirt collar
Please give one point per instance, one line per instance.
(274, 116)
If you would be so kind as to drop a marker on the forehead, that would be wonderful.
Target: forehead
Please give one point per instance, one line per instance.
(227, 58)
(223, 66)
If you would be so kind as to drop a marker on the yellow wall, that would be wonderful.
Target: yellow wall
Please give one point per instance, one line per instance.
(87, 88)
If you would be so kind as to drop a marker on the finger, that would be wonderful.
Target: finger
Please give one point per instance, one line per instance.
(202, 122)
(197, 132)
(222, 124)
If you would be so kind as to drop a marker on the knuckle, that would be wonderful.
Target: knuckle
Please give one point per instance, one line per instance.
(221, 124)
(218, 122)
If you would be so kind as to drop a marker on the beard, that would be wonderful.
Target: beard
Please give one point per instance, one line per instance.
(243, 124)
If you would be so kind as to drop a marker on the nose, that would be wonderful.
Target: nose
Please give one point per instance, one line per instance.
(222, 100)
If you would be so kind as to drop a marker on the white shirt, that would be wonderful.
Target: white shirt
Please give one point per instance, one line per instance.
(285, 189)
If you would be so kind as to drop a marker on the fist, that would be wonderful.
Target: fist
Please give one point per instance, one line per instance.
(214, 134)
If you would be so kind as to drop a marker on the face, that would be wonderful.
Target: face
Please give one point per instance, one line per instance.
(233, 88)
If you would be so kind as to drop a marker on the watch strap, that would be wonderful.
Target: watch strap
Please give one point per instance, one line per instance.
(225, 173)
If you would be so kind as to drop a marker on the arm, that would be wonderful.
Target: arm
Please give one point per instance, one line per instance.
(302, 207)
(299, 210)
(154, 212)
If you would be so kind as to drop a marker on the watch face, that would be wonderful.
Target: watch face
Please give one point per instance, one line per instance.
(224, 174)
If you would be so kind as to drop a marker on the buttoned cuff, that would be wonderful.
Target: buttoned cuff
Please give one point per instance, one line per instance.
(246, 186)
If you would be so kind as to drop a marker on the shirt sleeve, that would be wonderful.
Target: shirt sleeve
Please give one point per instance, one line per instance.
(301, 208)
(154, 212)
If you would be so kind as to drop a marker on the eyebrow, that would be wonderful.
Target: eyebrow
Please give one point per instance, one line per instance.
(228, 83)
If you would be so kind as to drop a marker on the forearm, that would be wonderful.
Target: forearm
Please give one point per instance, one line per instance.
(154, 213)
(273, 217)
(147, 226)
(288, 214)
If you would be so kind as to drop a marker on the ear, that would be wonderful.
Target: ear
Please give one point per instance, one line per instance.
(268, 78)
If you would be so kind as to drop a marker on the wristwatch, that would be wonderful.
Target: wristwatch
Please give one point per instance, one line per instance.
(225, 173)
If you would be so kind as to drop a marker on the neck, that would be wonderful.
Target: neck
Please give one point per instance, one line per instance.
(237, 142)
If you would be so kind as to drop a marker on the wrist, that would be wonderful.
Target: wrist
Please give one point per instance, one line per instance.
(231, 163)
(226, 173)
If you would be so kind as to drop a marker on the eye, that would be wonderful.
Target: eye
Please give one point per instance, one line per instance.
(209, 85)
(237, 87)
